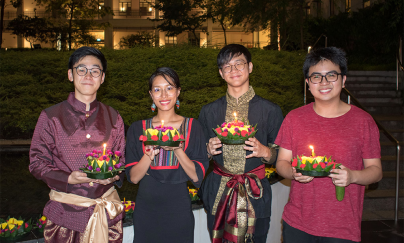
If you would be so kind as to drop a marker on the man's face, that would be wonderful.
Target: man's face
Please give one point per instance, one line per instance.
(89, 83)
(232, 74)
(326, 91)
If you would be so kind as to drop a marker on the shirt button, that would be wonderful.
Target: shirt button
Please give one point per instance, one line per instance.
(88, 136)
(87, 115)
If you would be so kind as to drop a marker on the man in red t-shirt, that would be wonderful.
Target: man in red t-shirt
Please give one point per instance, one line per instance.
(337, 129)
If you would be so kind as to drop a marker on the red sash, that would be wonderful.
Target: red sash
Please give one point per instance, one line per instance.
(235, 216)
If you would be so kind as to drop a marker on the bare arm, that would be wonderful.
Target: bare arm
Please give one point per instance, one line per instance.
(138, 171)
(370, 174)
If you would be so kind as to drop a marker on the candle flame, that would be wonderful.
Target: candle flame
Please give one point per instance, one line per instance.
(311, 147)
(162, 123)
(235, 116)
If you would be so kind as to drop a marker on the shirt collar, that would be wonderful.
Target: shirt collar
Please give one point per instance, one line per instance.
(80, 106)
(245, 98)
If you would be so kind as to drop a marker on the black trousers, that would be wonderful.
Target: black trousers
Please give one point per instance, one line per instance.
(292, 235)
(260, 233)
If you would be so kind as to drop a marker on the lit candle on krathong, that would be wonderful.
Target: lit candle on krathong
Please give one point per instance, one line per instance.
(235, 116)
(105, 146)
(312, 151)
(162, 123)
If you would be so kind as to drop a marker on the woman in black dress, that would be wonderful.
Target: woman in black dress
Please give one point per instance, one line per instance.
(163, 211)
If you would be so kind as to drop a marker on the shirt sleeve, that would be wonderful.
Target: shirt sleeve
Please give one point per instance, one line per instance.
(284, 137)
(41, 164)
(196, 151)
(370, 140)
(134, 150)
(119, 145)
(202, 119)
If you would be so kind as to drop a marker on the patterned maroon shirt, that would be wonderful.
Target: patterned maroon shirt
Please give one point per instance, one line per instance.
(63, 135)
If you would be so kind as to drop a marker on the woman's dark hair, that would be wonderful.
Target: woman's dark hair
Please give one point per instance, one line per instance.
(84, 51)
(168, 74)
(333, 54)
(233, 50)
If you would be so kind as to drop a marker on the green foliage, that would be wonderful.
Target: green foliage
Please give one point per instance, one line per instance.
(180, 16)
(32, 81)
(143, 38)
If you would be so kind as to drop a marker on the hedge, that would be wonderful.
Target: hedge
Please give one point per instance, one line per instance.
(34, 80)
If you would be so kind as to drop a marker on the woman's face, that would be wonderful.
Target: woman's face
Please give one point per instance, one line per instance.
(164, 94)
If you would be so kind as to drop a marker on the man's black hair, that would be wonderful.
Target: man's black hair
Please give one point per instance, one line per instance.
(333, 54)
(168, 74)
(233, 50)
(84, 51)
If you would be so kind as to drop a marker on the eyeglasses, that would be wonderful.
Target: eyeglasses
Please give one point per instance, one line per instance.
(158, 92)
(317, 78)
(82, 71)
(239, 66)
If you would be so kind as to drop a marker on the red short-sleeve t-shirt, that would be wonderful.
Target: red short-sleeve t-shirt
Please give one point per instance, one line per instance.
(350, 138)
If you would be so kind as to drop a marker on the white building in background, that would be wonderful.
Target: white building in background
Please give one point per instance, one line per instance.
(132, 16)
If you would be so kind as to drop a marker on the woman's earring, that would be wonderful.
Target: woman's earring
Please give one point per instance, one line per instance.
(177, 103)
(153, 107)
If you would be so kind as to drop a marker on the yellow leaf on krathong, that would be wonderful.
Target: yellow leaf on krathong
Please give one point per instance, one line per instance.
(11, 226)
(100, 163)
(152, 131)
(43, 218)
(12, 221)
(20, 222)
(3, 225)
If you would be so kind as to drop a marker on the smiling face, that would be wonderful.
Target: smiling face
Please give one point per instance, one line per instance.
(86, 86)
(236, 78)
(326, 91)
(163, 93)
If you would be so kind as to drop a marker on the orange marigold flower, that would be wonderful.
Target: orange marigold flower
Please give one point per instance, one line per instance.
(154, 138)
(175, 138)
(165, 138)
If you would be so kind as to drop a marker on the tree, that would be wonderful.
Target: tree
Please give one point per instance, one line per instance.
(32, 29)
(73, 19)
(180, 16)
(16, 4)
(140, 39)
(221, 11)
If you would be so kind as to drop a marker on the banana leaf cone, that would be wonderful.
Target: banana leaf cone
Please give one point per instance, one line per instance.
(340, 192)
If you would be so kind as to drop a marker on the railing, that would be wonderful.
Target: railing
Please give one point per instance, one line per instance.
(399, 68)
(394, 140)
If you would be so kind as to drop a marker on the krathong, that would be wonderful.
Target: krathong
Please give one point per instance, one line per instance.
(40, 224)
(317, 166)
(193, 194)
(101, 166)
(162, 135)
(235, 132)
(13, 228)
(129, 206)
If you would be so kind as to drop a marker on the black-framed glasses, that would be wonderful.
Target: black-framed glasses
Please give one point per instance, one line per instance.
(82, 71)
(239, 66)
(317, 78)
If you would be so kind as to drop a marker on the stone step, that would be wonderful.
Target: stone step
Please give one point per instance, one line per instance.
(390, 148)
(383, 200)
(388, 181)
(384, 100)
(375, 92)
(372, 214)
(372, 73)
(376, 84)
(380, 109)
(391, 122)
